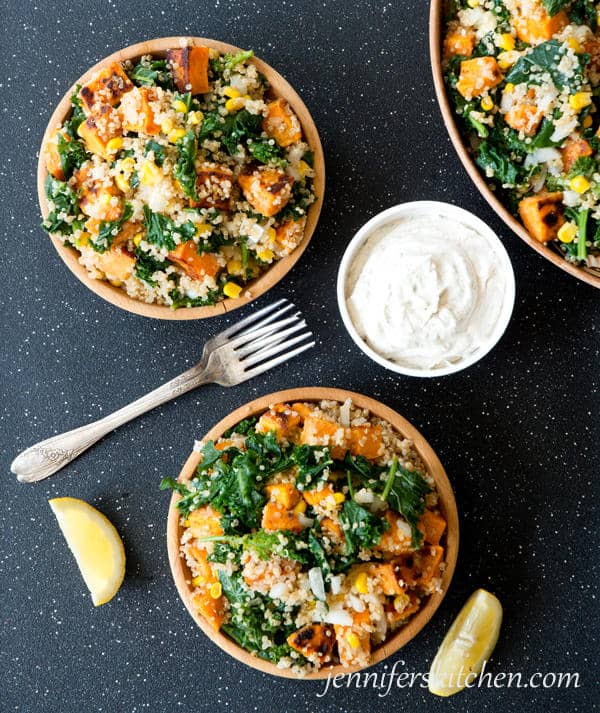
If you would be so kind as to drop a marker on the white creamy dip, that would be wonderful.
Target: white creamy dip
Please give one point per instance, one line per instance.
(426, 292)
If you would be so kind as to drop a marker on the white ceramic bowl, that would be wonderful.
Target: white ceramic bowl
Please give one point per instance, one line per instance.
(419, 209)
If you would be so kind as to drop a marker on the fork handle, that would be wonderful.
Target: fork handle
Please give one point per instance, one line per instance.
(49, 456)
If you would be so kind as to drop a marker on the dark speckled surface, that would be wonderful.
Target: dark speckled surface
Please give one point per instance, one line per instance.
(518, 433)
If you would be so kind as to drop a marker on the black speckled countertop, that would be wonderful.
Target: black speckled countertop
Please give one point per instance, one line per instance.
(518, 432)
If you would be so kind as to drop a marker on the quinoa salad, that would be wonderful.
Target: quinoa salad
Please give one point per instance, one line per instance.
(524, 79)
(311, 534)
(179, 179)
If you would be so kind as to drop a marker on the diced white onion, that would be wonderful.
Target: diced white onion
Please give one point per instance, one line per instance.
(571, 198)
(355, 602)
(278, 590)
(317, 585)
(541, 156)
(539, 180)
(345, 413)
(338, 616)
(336, 584)
(305, 521)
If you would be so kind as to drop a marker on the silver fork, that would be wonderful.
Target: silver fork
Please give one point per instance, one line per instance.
(246, 349)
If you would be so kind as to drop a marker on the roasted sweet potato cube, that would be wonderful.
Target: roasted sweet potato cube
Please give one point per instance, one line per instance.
(136, 113)
(98, 129)
(302, 409)
(315, 496)
(332, 529)
(460, 42)
(98, 199)
(189, 66)
(430, 560)
(203, 569)
(213, 185)
(432, 525)
(213, 610)
(478, 75)
(117, 265)
(283, 493)
(315, 641)
(575, 147)
(268, 190)
(524, 117)
(276, 517)
(128, 230)
(318, 431)
(398, 537)
(205, 522)
(106, 87)
(538, 26)
(386, 576)
(282, 419)
(354, 642)
(197, 266)
(289, 234)
(281, 124)
(366, 440)
(52, 157)
(542, 215)
(401, 608)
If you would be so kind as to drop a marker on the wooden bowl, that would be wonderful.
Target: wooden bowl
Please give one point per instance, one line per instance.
(436, 19)
(447, 504)
(256, 288)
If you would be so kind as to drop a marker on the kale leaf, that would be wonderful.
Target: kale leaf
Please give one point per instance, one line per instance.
(546, 58)
(63, 203)
(490, 156)
(405, 492)
(109, 229)
(157, 149)
(267, 152)
(239, 127)
(185, 168)
(554, 6)
(77, 115)
(361, 528)
(160, 230)
(72, 154)
(152, 73)
(146, 265)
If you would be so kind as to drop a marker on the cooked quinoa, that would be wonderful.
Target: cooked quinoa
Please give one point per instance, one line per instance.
(311, 534)
(524, 78)
(179, 179)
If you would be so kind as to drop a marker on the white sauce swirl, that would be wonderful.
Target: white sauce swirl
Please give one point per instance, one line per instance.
(426, 292)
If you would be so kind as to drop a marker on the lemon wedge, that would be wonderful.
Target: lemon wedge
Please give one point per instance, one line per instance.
(467, 645)
(95, 544)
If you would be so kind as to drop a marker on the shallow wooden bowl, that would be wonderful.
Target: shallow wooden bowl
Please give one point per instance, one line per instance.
(436, 29)
(447, 504)
(115, 295)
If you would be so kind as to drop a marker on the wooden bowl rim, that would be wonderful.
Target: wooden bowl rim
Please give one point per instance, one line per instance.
(258, 287)
(434, 467)
(435, 43)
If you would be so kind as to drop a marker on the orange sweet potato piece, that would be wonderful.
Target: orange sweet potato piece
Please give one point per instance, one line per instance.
(417, 570)
(205, 522)
(542, 215)
(206, 574)
(459, 42)
(397, 538)
(98, 129)
(281, 124)
(575, 147)
(357, 651)
(106, 87)
(302, 409)
(332, 529)
(478, 75)
(52, 157)
(282, 419)
(136, 113)
(213, 610)
(366, 441)
(128, 230)
(283, 493)
(117, 264)
(268, 190)
(317, 495)
(319, 431)
(432, 525)
(276, 517)
(290, 234)
(197, 266)
(213, 185)
(396, 615)
(315, 641)
(387, 578)
(524, 117)
(97, 199)
(189, 66)
(536, 27)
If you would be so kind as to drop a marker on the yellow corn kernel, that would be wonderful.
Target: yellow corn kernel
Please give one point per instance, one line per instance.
(166, 126)
(339, 498)
(175, 135)
(361, 583)
(216, 590)
(106, 198)
(574, 45)
(579, 184)
(234, 104)
(300, 507)
(271, 235)
(122, 183)
(580, 100)
(265, 255)
(179, 106)
(509, 88)
(127, 165)
(303, 168)
(507, 59)
(352, 638)
(202, 228)
(114, 145)
(400, 602)
(150, 174)
(116, 283)
(186, 523)
(232, 92)
(137, 239)
(567, 233)
(587, 122)
(83, 240)
(487, 103)
(506, 42)
(195, 117)
(473, 3)
(234, 267)
(232, 290)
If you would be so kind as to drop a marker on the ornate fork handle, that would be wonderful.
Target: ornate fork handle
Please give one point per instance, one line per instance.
(45, 458)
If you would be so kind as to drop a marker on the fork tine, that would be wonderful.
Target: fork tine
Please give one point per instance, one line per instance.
(275, 315)
(263, 342)
(251, 319)
(252, 334)
(255, 371)
(274, 349)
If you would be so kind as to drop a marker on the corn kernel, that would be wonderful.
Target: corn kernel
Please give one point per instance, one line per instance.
(195, 117)
(506, 42)
(579, 184)
(202, 228)
(303, 168)
(487, 103)
(216, 590)
(567, 233)
(116, 283)
(300, 508)
(352, 638)
(400, 602)
(587, 122)
(137, 239)
(197, 581)
(175, 135)
(232, 290)
(339, 498)
(509, 88)
(127, 165)
(122, 183)
(361, 583)
(106, 198)
(179, 106)
(232, 92)
(234, 104)
(234, 267)
(166, 126)
(473, 3)
(580, 100)
(574, 45)
(507, 59)
(150, 174)
(83, 240)
(271, 235)
(265, 255)
(114, 145)
(186, 523)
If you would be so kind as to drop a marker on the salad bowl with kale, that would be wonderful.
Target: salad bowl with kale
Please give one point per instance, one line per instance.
(518, 82)
(312, 532)
(180, 178)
